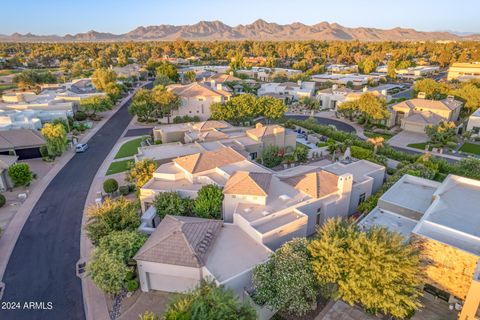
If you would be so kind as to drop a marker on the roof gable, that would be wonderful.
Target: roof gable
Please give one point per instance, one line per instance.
(248, 183)
(208, 160)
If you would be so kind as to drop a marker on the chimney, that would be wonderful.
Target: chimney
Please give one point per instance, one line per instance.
(231, 73)
(421, 95)
(384, 92)
(335, 87)
(258, 125)
(219, 86)
(299, 82)
(204, 79)
(450, 97)
(213, 84)
(365, 89)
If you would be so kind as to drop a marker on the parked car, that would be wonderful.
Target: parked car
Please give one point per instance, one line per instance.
(81, 147)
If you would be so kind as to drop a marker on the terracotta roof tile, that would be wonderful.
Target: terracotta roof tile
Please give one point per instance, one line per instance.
(316, 184)
(208, 160)
(248, 183)
(183, 241)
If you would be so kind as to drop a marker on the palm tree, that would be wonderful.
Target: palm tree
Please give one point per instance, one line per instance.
(377, 142)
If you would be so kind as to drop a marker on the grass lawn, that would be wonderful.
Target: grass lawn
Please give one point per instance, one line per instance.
(374, 134)
(118, 166)
(7, 86)
(129, 148)
(470, 148)
(420, 146)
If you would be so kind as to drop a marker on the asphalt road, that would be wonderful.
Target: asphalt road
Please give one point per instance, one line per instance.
(138, 132)
(42, 267)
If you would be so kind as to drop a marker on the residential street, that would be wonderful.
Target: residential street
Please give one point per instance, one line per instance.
(42, 267)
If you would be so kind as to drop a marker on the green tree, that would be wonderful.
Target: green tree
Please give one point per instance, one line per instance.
(286, 281)
(470, 93)
(123, 244)
(110, 185)
(112, 215)
(143, 105)
(56, 139)
(348, 108)
(173, 204)
(368, 65)
(372, 107)
(237, 62)
(114, 91)
(375, 268)
(208, 203)
(102, 77)
(270, 108)
(311, 104)
(432, 89)
(391, 69)
(167, 69)
(165, 100)
(20, 174)
(94, 104)
(301, 153)
(162, 80)
(207, 301)
(272, 156)
(442, 133)
(107, 271)
(141, 171)
(190, 76)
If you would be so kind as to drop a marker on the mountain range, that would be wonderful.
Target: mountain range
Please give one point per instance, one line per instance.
(258, 30)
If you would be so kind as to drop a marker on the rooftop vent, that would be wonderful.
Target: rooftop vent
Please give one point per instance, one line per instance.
(284, 197)
(265, 213)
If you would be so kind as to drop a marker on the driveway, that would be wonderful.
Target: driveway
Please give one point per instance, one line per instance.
(42, 266)
(404, 138)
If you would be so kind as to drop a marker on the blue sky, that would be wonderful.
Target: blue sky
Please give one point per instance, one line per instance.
(119, 16)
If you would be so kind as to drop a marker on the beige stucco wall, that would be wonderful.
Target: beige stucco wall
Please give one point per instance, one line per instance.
(173, 278)
(196, 106)
(448, 268)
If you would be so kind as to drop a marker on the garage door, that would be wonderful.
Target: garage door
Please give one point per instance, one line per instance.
(170, 283)
(414, 127)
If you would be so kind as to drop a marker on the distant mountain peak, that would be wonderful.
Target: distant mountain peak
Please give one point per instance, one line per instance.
(257, 30)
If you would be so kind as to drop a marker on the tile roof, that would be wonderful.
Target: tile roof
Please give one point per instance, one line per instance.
(20, 138)
(212, 136)
(208, 160)
(196, 89)
(316, 184)
(248, 183)
(427, 104)
(221, 78)
(260, 130)
(209, 125)
(424, 117)
(182, 241)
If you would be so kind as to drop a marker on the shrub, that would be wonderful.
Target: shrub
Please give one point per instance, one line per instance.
(3, 200)
(124, 244)
(132, 285)
(20, 174)
(208, 301)
(80, 116)
(110, 185)
(208, 203)
(112, 215)
(124, 190)
(272, 156)
(171, 203)
(107, 271)
(141, 171)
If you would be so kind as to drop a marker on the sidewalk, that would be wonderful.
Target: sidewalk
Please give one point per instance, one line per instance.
(94, 300)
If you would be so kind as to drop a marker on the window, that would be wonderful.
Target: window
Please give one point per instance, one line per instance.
(361, 198)
(253, 155)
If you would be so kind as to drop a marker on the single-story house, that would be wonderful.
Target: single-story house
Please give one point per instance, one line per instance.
(23, 143)
(184, 250)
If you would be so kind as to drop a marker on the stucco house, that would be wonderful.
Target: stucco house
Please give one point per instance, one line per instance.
(23, 143)
(443, 218)
(287, 90)
(474, 122)
(184, 250)
(272, 207)
(196, 99)
(211, 134)
(416, 114)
